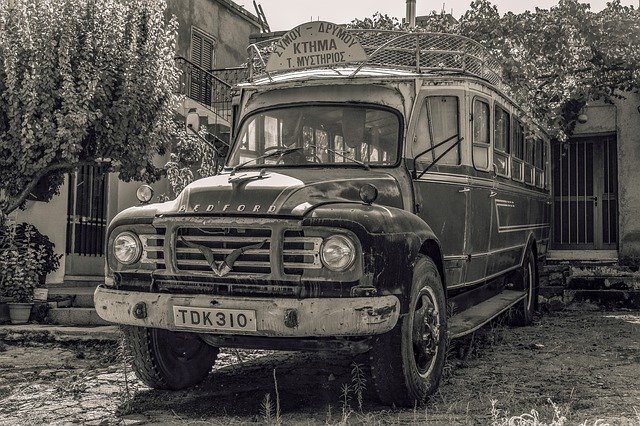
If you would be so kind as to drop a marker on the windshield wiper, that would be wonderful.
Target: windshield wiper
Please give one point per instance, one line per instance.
(284, 151)
(435, 161)
(277, 152)
(362, 163)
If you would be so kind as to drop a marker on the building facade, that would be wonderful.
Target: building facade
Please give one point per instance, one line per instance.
(595, 185)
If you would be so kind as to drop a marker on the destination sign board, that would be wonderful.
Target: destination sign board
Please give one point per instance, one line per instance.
(315, 44)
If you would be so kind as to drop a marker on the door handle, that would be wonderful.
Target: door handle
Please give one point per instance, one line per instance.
(492, 194)
(595, 199)
(464, 190)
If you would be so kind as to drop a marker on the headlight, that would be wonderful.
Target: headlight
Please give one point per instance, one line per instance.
(144, 193)
(338, 253)
(127, 248)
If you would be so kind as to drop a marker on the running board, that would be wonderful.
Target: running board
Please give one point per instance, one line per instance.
(475, 317)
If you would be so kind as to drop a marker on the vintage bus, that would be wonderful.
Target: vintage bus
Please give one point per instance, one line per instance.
(383, 193)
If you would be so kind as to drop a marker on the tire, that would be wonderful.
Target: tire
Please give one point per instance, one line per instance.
(526, 280)
(407, 362)
(170, 360)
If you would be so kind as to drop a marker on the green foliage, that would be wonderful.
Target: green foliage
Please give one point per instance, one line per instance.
(83, 82)
(558, 58)
(190, 159)
(21, 259)
(27, 235)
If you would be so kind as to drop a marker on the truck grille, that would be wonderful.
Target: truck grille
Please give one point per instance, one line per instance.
(298, 251)
(190, 243)
(153, 248)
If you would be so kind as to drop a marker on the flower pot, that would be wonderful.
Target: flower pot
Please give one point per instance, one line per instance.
(40, 294)
(19, 312)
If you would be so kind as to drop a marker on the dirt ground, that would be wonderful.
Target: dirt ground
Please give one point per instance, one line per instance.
(587, 363)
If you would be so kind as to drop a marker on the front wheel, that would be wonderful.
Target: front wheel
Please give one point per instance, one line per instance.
(165, 359)
(407, 362)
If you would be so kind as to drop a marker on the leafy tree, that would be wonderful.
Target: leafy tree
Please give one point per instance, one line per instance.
(557, 58)
(82, 82)
(190, 159)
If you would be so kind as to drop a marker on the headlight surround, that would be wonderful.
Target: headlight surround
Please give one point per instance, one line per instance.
(127, 248)
(144, 193)
(338, 253)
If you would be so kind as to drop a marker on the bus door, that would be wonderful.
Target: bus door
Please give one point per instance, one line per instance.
(440, 185)
(481, 193)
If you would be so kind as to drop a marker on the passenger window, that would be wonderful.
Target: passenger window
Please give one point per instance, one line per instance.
(438, 124)
(529, 159)
(481, 134)
(501, 141)
(539, 162)
(518, 151)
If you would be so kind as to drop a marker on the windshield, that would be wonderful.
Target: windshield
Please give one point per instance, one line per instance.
(317, 135)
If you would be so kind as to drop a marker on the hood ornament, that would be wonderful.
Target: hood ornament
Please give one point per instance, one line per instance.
(222, 268)
(236, 180)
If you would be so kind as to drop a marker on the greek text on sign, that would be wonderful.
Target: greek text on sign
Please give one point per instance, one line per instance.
(315, 44)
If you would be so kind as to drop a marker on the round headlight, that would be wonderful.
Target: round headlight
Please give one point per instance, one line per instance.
(127, 248)
(144, 193)
(338, 253)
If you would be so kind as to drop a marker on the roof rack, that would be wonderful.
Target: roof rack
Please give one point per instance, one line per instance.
(419, 52)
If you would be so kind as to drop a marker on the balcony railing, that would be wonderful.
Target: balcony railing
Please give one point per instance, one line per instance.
(211, 88)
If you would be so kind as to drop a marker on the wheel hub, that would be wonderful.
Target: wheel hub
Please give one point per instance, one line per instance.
(426, 332)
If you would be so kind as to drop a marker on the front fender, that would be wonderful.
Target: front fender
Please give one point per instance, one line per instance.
(391, 240)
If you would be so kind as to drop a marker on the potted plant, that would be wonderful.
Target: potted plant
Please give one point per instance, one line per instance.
(20, 262)
(28, 235)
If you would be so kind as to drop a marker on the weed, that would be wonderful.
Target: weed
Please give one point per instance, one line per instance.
(267, 409)
(345, 398)
(278, 419)
(126, 395)
(358, 383)
(502, 417)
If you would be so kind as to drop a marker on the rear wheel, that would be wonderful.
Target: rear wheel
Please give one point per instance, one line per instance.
(407, 362)
(527, 280)
(165, 359)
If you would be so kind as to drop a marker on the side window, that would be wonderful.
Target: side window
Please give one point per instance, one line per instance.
(517, 172)
(529, 159)
(501, 141)
(438, 124)
(539, 160)
(481, 134)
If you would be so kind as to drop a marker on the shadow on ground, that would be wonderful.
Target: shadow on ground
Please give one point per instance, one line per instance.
(305, 382)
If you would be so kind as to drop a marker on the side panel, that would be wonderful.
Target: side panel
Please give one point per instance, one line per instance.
(443, 198)
(478, 232)
(518, 212)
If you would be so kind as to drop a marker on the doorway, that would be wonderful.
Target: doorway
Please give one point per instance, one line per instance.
(86, 222)
(585, 194)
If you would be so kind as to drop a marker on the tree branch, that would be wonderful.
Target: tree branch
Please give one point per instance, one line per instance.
(17, 201)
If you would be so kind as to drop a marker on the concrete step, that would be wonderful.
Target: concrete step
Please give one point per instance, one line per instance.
(75, 316)
(82, 296)
(82, 281)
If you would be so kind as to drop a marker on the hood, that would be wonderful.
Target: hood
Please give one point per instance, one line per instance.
(282, 192)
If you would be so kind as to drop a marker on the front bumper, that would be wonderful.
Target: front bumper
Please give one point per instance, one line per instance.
(275, 317)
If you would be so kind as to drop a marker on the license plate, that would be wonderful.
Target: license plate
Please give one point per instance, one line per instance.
(214, 319)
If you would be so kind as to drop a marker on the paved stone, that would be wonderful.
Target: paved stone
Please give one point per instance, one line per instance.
(46, 332)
